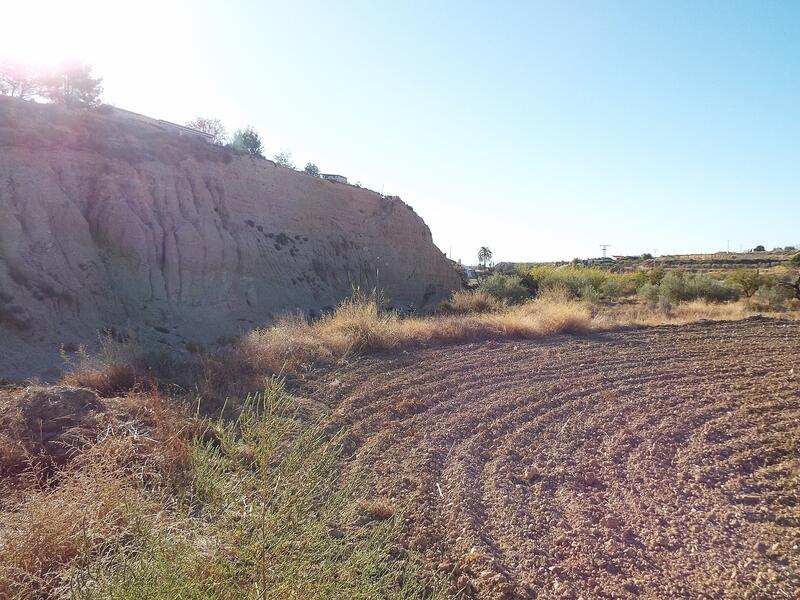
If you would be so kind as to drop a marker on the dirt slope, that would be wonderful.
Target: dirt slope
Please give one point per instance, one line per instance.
(112, 221)
(659, 463)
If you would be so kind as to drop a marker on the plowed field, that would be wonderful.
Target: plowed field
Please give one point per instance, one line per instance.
(655, 463)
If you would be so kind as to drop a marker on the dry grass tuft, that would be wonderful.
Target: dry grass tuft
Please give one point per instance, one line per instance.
(107, 379)
(554, 317)
(465, 302)
(45, 537)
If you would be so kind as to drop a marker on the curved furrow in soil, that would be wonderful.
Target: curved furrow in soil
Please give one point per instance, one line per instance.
(648, 463)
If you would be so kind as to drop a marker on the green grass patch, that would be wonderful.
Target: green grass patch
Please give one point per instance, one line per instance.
(268, 514)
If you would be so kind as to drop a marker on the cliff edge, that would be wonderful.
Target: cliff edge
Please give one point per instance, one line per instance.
(108, 221)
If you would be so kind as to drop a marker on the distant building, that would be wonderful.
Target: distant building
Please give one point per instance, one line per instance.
(336, 178)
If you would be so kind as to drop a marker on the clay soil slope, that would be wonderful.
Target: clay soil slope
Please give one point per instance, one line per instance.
(658, 463)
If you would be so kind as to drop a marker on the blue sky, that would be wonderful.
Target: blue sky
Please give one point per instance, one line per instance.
(540, 129)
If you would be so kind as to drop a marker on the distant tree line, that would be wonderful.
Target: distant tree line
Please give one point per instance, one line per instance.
(69, 83)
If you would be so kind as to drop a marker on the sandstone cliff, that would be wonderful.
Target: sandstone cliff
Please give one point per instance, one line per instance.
(108, 221)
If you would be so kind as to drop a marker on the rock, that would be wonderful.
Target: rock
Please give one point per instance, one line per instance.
(115, 221)
(531, 474)
(590, 479)
(611, 522)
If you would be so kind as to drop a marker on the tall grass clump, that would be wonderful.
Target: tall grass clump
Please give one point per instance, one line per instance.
(465, 302)
(261, 509)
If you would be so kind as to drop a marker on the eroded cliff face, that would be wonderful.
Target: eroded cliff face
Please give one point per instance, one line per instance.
(106, 221)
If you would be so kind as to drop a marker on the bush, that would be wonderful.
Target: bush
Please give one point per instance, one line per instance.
(613, 288)
(656, 275)
(649, 292)
(577, 279)
(773, 295)
(507, 288)
(589, 294)
(680, 287)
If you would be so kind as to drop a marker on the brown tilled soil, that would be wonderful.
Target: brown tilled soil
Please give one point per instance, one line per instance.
(657, 463)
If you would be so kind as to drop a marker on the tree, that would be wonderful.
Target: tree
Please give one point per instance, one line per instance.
(790, 281)
(247, 140)
(312, 169)
(748, 280)
(759, 248)
(72, 84)
(213, 127)
(484, 256)
(19, 80)
(284, 159)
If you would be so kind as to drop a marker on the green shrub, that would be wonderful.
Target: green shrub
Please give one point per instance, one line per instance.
(679, 287)
(649, 293)
(576, 278)
(656, 275)
(773, 295)
(618, 286)
(508, 288)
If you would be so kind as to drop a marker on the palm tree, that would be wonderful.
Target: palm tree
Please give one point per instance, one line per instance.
(484, 256)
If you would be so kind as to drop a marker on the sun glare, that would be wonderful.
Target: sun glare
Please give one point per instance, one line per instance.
(46, 33)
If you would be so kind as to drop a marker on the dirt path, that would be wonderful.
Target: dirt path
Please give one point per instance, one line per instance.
(659, 463)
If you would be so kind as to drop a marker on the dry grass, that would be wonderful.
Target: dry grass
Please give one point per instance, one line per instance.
(42, 540)
(107, 379)
(359, 325)
(293, 345)
(164, 504)
(665, 313)
(376, 509)
(465, 302)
